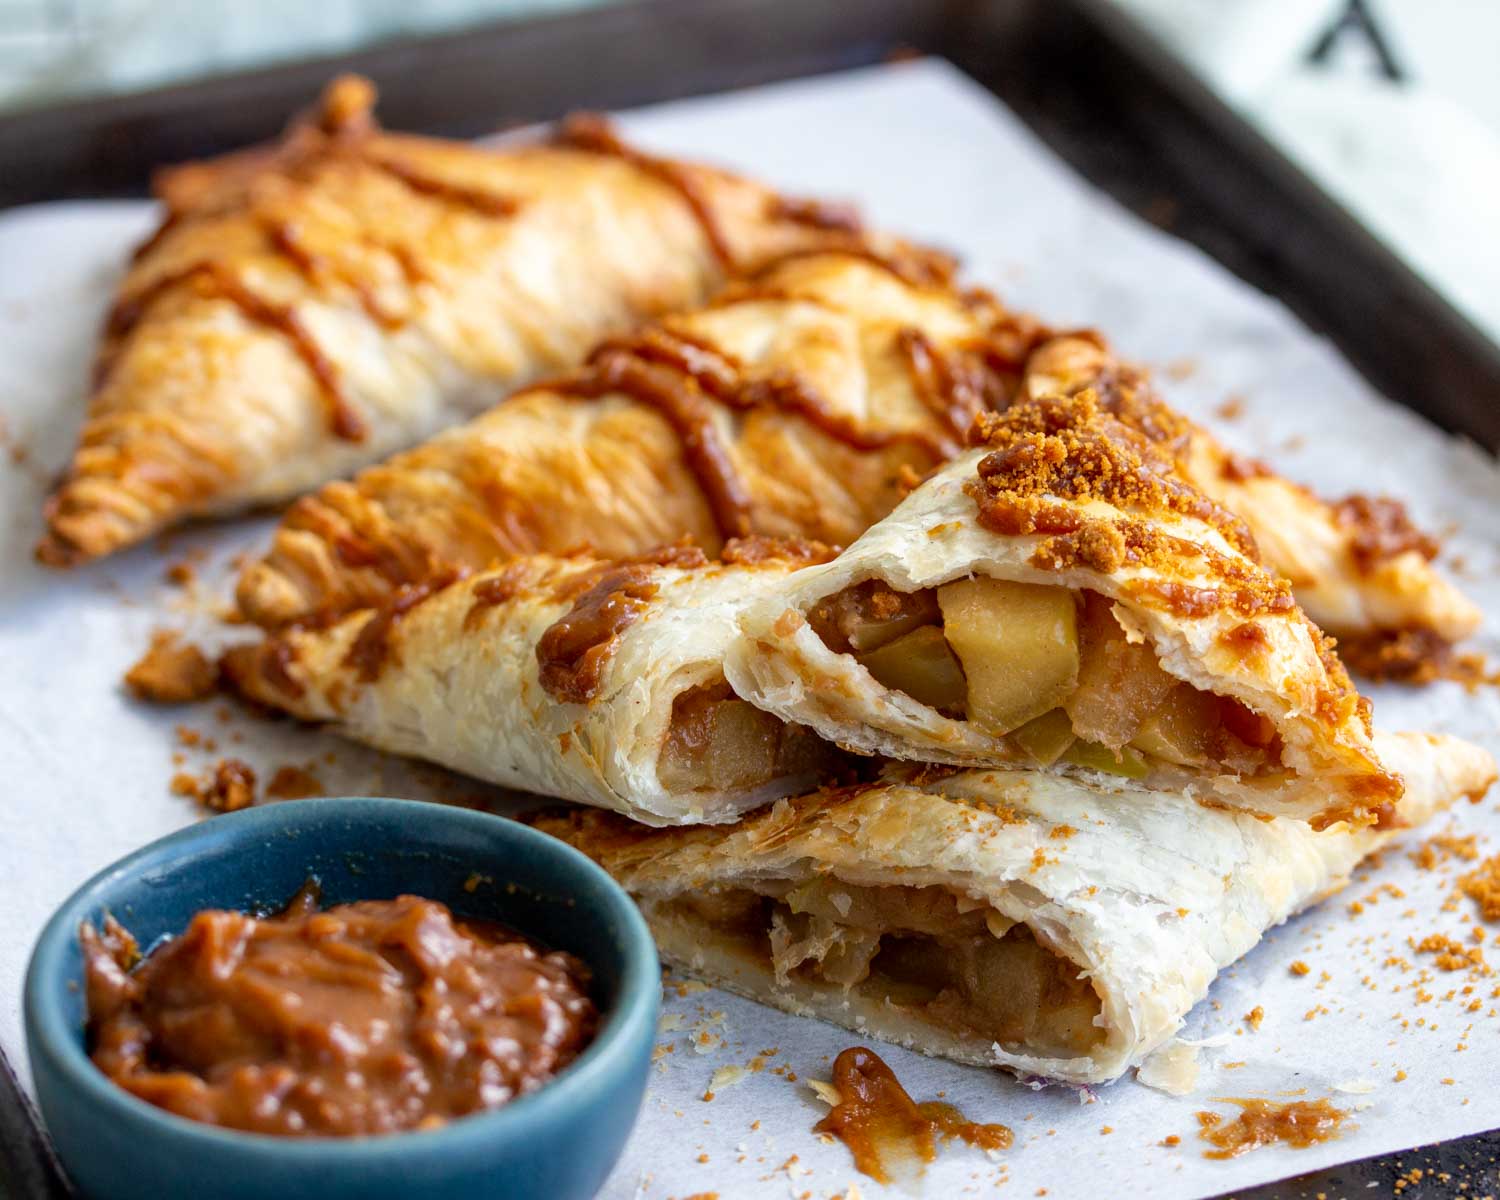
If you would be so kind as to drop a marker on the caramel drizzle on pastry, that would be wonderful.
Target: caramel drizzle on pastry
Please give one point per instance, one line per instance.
(485, 203)
(214, 281)
(286, 238)
(953, 389)
(574, 650)
(1381, 530)
(816, 214)
(724, 379)
(371, 648)
(683, 378)
(340, 129)
(595, 133)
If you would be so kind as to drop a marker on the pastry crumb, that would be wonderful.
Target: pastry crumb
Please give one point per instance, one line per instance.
(172, 672)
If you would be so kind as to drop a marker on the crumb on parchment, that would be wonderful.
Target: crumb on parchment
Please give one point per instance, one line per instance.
(172, 672)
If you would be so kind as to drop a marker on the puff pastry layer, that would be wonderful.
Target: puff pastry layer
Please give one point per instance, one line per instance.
(791, 406)
(1016, 919)
(308, 308)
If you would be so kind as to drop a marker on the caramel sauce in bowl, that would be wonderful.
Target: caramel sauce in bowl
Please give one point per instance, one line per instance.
(523, 906)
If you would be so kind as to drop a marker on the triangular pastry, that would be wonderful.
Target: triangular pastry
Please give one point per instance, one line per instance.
(1359, 567)
(1060, 596)
(1018, 919)
(791, 406)
(308, 308)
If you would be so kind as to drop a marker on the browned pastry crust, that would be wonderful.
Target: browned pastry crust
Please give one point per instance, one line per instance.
(308, 308)
(1360, 568)
(799, 403)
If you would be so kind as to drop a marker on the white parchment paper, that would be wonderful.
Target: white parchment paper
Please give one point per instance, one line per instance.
(925, 151)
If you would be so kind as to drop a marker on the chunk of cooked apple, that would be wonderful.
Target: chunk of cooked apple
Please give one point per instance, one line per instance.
(1018, 643)
(1120, 683)
(1185, 729)
(922, 665)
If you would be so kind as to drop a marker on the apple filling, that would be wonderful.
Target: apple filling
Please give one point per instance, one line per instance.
(718, 742)
(944, 958)
(1047, 668)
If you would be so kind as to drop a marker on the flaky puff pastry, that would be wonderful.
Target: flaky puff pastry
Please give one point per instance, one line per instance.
(1143, 897)
(1360, 569)
(793, 405)
(1063, 494)
(309, 308)
(561, 676)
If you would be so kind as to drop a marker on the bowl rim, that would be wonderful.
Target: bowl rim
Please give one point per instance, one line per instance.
(632, 1018)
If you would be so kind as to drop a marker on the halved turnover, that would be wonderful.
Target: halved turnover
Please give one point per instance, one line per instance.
(592, 681)
(1020, 919)
(1062, 597)
(1360, 569)
(308, 308)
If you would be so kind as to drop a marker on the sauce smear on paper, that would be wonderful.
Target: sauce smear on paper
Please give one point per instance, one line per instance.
(1296, 1123)
(882, 1125)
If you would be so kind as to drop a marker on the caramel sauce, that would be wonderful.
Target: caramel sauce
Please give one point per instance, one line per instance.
(721, 377)
(685, 407)
(1237, 468)
(1296, 1123)
(755, 549)
(286, 239)
(1415, 657)
(214, 281)
(595, 133)
(371, 649)
(1381, 530)
(575, 649)
(294, 783)
(680, 377)
(495, 590)
(364, 1018)
(953, 391)
(817, 214)
(488, 204)
(881, 1124)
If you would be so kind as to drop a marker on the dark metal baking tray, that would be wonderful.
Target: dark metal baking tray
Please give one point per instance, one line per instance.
(1102, 94)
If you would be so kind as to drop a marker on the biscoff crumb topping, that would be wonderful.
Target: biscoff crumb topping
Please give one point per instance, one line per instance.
(1075, 449)
(1380, 529)
(1482, 885)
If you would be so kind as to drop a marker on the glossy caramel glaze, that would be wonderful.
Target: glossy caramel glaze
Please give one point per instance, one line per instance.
(881, 1124)
(1295, 1123)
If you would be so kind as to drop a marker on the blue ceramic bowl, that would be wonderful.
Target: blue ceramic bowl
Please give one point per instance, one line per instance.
(556, 1143)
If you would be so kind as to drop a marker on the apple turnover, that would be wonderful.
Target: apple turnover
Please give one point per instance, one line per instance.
(1019, 919)
(1059, 596)
(792, 406)
(308, 308)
